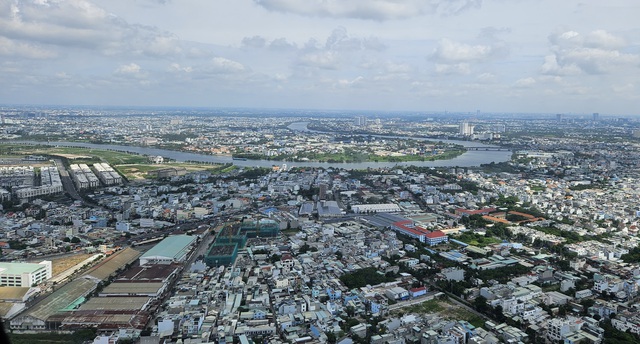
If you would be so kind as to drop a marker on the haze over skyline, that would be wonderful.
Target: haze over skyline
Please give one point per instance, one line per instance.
(459, 55)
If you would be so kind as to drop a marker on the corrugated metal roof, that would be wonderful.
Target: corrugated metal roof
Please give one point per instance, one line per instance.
(173, 246)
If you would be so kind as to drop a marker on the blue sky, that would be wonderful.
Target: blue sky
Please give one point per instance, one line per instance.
(433, 55)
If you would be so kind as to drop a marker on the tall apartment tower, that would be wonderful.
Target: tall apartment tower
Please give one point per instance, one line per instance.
(596, 116)
(466, 129)
(360, 121)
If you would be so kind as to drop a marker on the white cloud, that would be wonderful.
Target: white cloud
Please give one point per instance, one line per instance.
(128, 69)
(603, 39)
(162, 46)
(18, 49)
(80, 24)
(370, 9)
(321, 59)
(175, 67)
(451, 51)
(551, 67)
(254, 42)
(486, 78)
(453, 69)
(625, 88)
(281, 44)
(342, 83)
(398, 68)
(594, 53)
(223, 65)
(525, 82)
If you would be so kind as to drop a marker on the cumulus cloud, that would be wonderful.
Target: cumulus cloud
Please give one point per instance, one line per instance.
(625, 88)
(175, 67)
(594, 53)
(604, 40)
(223, 65)
(339, 49)
(486, 78)
(525, 82)
(320, 59)
(369, 9)
(128, 69)
(162, 45)
(451, 51)
(254, 42)
(453, 69)
(281, 44)
(13, 48)
(398, 68)
(344, 83)
(552, 67)
(79, 24)
(340, 40)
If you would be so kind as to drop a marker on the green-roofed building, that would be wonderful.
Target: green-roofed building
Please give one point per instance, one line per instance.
(171, 249)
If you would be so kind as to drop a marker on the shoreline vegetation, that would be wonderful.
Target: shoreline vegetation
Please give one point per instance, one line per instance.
(351, 157)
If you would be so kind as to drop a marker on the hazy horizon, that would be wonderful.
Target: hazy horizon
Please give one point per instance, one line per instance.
(495, 56)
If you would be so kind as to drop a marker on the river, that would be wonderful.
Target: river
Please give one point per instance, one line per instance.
(467, 159)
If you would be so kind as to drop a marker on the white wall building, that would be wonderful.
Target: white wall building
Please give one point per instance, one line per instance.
(24, 274)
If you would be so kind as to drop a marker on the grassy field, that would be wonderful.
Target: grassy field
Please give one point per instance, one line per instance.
(112, 157)
(139, 171)
(75, 154)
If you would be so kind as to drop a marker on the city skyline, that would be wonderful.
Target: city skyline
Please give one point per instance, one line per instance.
(497, 56)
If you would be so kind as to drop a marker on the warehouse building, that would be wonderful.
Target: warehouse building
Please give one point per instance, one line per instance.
(172, 249)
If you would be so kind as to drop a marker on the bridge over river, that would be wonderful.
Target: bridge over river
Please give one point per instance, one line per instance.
(489, 148)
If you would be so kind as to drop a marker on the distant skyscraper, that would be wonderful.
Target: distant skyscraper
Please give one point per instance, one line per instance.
(596, 116)
(466, 129)
(559, 117)
(360, 121)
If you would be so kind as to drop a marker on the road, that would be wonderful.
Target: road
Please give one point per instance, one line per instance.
(67, 182)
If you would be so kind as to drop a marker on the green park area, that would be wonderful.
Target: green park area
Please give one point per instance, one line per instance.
(352, 156)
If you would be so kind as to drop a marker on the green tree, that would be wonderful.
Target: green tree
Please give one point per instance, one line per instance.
(331, 337)
(480, 304)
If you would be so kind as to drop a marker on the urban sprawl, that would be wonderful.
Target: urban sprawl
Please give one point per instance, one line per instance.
(241, 226)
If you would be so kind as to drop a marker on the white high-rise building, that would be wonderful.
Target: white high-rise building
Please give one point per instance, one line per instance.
(466, 129)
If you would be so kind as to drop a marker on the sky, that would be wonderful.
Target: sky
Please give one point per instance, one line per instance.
(520, 56)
